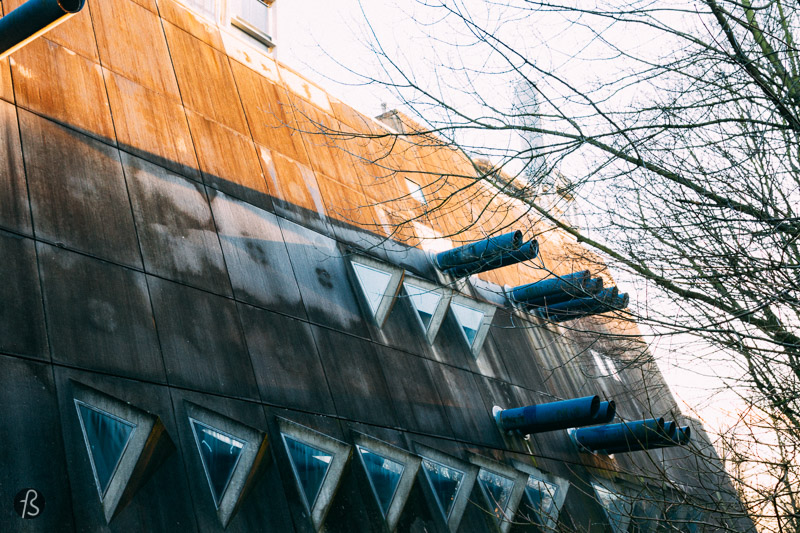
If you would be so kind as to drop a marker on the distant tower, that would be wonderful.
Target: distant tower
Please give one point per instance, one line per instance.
(525, 114)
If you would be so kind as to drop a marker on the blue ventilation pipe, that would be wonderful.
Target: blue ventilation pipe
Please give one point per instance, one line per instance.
(606, 413)
(535, 292)
(32, 19)
(606, 300)
(586, 288)
(548, 416)
(477, 251)
(631, 436)
(526, 252)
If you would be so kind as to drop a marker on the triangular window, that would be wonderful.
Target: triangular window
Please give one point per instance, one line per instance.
(469, 319)
(384, 476)
(106, 437)
(425, 302)
(445, 482)
(374, 283)
(220, 453)
(310, 466)
(539, 500)
(497, 491)
(616, 507)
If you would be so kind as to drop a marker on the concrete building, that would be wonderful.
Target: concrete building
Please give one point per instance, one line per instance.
(209, 321)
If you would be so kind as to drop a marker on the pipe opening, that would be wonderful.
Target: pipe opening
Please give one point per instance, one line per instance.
(71, 6)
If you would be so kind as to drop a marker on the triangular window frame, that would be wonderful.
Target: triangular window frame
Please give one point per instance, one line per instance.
(619, 518)
(437, 318)
(411, 465)
(378, 310)
(249, 464)
(476, 344)
(461, 499)
(316, 511)
(102, 487)
(559, 497)
(506, 518)
(146, 448)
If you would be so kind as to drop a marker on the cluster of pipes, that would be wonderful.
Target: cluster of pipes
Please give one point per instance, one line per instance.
(607, 438)
(575, 295)
(488, 254)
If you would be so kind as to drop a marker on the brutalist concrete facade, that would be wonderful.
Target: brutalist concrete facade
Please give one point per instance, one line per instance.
(174, 244)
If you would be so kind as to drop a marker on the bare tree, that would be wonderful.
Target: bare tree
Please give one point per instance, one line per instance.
(675, 128)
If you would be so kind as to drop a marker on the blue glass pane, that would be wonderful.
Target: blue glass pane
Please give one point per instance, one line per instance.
(497, 490)
(445, 482)
(384, 476)
(106, 437)
(539, 499)
(219, 453)
(310, 466)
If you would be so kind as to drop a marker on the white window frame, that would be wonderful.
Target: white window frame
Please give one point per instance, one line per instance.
(396, 275)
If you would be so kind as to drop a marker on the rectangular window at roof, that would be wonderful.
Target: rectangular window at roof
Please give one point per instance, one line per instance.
(416, 191)
(252, 17)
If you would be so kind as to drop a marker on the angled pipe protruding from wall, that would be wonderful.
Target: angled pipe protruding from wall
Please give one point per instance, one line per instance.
(606, 300)
(551, 416)
(478, 251)
(527, 251)
(535, 292)
(606, 413)
(31, 19)
(631, 436)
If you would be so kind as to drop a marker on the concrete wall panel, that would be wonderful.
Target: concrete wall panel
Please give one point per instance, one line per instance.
(286, 362)
(323, 281)
(77, 190)
(201, 340)
(413, 393)
(14, 209)
(470, 418)
(256, 256)
(229, 161)
(59, 84)
(131, 43)
(22, 327)
(151, 126)
(205, 78)
(176, 14)
(355, 377)
(176, 228)
(99, 315)
(33, 452)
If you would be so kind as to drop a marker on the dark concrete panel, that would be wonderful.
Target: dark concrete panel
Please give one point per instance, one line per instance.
(286, 362)
(355, 378)
(413, 392)
(99, 315)
(264, 508)
(22, 328)
(163, 502)
(511, 337)
(470, 419)
(15, 212)
(77, 190)
(33, 452)
(176, 229)
(320, 272)
(256, 255)
(201, 340)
